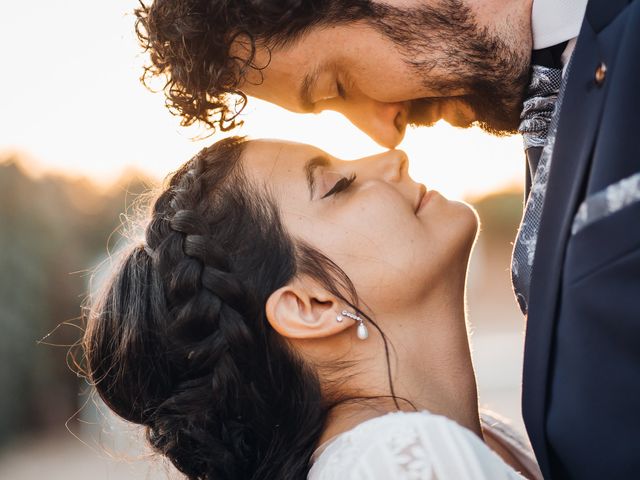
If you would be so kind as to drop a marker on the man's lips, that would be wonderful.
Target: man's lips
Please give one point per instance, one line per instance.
(424, 112)
(454, 110)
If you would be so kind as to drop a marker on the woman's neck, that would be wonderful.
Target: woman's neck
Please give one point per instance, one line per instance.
(431, 368)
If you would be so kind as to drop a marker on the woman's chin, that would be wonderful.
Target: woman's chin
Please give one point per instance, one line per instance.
(464, 216)
(465, 223)
(471, 217)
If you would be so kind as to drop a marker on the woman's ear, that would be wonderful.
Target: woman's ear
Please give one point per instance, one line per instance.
(302, 309)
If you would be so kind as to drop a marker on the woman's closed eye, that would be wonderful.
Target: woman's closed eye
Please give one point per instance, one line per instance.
(341, 185)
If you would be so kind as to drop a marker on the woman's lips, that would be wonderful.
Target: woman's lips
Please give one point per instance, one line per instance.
(423, 198)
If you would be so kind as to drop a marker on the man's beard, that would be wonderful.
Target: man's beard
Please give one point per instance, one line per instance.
(492, 75)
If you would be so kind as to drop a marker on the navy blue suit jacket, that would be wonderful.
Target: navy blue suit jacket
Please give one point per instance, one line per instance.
(581, 384)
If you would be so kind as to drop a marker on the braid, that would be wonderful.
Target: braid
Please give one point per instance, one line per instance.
(210, 316)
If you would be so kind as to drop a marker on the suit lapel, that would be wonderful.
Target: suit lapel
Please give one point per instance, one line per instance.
(579, 117)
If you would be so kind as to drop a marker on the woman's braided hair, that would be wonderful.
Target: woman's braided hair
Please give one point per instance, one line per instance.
(179, 341)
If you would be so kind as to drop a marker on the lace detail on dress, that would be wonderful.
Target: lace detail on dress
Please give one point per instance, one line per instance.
(410, 456)
(409, 446)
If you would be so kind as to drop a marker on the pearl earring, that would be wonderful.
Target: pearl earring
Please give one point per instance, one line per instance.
(362, 331)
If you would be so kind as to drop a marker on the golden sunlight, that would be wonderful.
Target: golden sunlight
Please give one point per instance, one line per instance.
(76, 107)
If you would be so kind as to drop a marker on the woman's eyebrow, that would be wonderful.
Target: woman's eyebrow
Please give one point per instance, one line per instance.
(310, 167)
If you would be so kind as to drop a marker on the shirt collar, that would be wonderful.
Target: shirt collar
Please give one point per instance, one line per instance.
(556, 21)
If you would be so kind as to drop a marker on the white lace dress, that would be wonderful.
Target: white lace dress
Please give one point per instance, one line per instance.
(416, 446)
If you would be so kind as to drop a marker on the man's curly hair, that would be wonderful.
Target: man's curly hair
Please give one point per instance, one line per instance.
(190, 46)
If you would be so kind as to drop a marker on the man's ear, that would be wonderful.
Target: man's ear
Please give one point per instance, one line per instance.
(302, 309)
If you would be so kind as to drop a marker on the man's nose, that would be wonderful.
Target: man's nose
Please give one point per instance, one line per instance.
(385, 123)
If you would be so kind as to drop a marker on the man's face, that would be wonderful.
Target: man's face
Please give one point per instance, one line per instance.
(416, 63)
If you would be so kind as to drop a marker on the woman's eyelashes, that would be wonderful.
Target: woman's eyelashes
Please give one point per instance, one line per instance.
(341, 185)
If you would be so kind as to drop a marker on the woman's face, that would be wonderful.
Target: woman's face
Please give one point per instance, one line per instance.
(394, 238)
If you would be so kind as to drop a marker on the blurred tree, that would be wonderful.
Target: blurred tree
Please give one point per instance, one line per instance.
(52, 232)
(500, 214)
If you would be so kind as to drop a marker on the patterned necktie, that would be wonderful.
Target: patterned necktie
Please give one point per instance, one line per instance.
(539, 122)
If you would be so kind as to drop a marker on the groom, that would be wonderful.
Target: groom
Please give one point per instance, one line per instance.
(387, 64)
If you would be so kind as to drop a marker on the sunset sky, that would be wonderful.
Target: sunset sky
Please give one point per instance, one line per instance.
(71, 101)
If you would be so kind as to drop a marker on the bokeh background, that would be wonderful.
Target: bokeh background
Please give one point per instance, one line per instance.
(80, 139)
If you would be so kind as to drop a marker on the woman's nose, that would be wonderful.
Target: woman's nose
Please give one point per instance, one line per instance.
(391, 166)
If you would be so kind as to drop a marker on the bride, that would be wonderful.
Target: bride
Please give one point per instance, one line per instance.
(290, 315)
